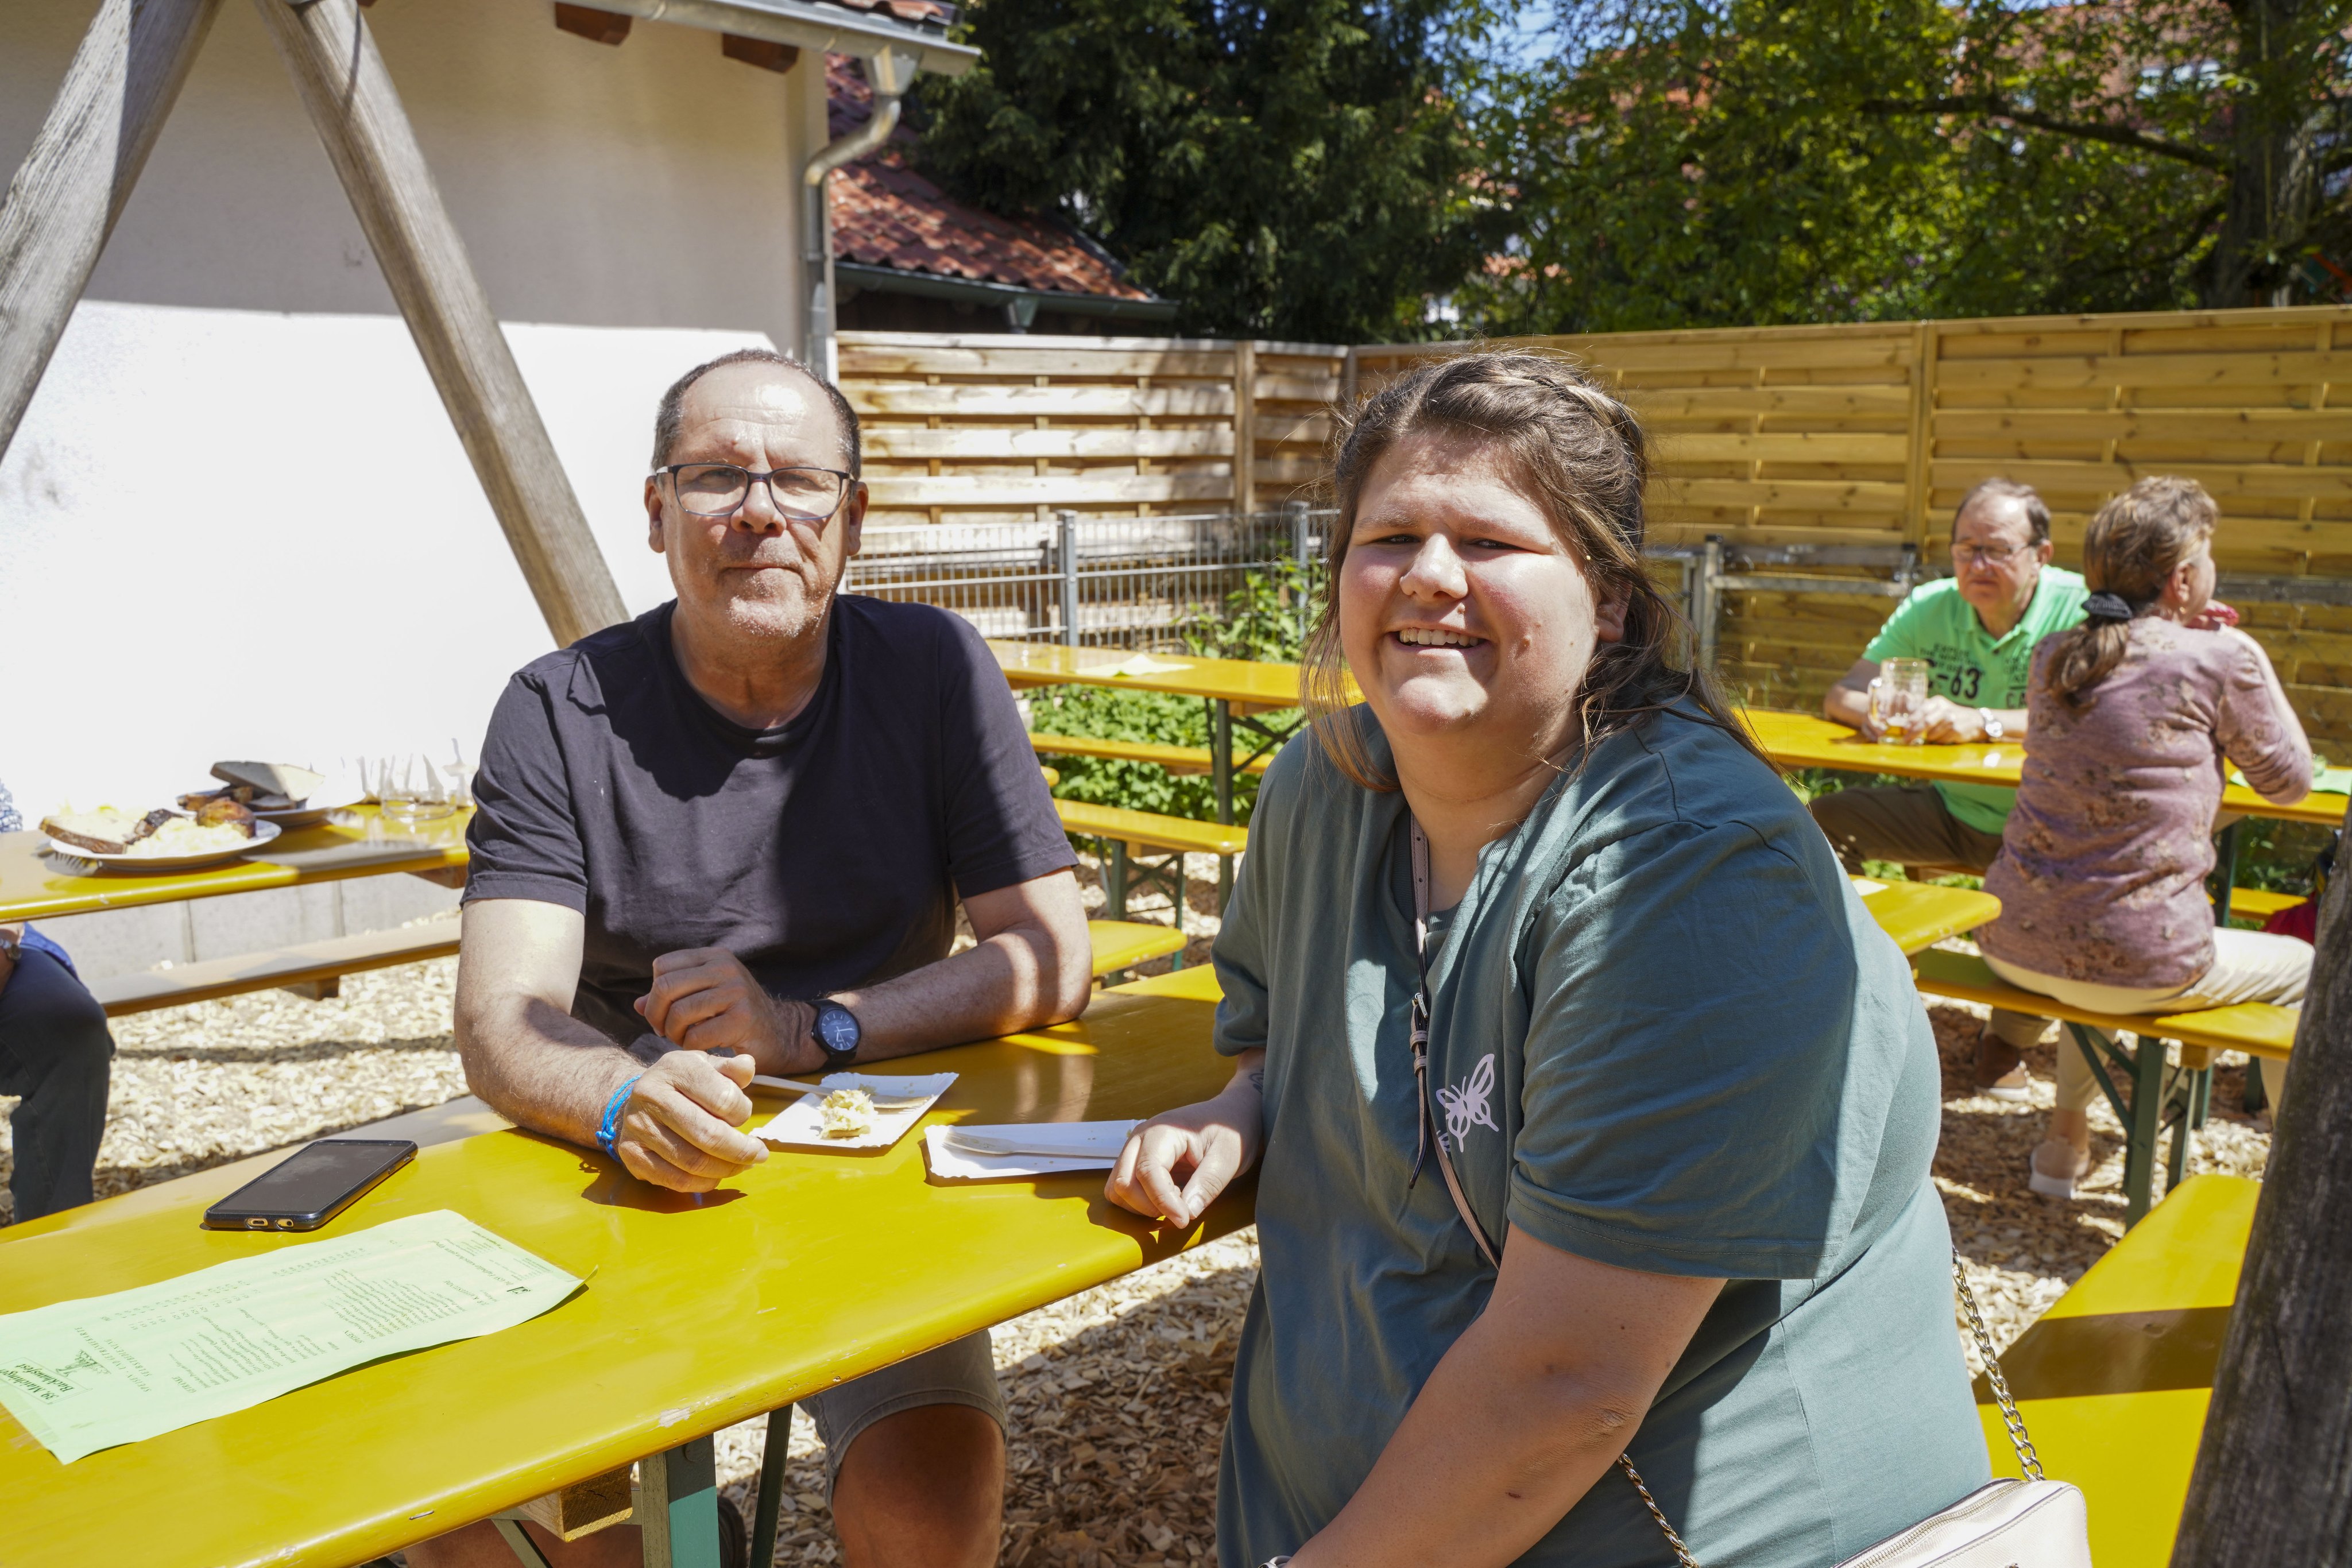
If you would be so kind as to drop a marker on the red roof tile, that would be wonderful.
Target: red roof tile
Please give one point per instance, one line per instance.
(931, 12)
(886, 214)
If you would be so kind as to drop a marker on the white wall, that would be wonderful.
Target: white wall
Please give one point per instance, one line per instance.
(236, 520)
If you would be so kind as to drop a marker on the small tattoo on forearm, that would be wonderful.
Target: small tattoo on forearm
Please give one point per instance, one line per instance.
(1257, 1079)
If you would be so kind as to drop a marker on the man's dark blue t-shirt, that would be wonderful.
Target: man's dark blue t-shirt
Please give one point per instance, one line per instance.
(826, 853)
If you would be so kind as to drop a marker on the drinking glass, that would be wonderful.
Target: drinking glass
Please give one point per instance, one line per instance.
(410, 788)
(1898, 701)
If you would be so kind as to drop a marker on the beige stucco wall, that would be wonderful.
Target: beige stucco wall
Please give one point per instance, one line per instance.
(630, 211)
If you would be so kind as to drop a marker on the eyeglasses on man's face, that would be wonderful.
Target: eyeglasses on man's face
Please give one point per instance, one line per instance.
(719, 489)
(1986, 555)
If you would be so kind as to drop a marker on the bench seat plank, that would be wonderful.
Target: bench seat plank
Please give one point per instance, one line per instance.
(1122, 943)
(1174, 758)
(302, 964)
(2113, 1379)
(1152, 831)
(2256, 1028)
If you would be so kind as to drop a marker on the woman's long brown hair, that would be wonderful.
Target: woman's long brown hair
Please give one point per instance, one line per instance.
(1582, 456)
(2129, 550)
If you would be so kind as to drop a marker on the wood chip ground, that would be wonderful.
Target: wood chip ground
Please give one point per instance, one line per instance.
(1118, 1394)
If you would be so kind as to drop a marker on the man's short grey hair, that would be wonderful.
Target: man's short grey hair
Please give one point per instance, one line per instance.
(671, 414)
(2037, 511)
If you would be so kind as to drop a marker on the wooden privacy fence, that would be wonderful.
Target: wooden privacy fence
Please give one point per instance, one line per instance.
(989, 428)
(1815, 453)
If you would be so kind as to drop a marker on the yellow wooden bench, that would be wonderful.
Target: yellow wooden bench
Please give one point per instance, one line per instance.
(2162, 1095)
(1174, 758)
(1127, 836)
(2113, 1379)
(315, 968)
(1122, 943)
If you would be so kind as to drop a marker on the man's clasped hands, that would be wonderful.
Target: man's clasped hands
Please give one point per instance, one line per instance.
(687, 1109)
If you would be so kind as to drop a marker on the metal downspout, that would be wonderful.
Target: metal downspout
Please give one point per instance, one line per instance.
(889, 72)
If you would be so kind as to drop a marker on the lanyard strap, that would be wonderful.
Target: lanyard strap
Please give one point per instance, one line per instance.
(1421, 1012)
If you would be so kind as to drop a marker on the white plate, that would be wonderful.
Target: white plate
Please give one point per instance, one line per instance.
(306, 815)
(262, 833)
(797, 1126)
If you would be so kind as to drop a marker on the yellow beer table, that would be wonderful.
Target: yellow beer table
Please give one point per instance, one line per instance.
(36, 884)
(2113, 1379)
(1237, 690)
(699, 1312)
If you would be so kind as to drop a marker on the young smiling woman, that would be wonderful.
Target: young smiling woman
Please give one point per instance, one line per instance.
(1671, 1070)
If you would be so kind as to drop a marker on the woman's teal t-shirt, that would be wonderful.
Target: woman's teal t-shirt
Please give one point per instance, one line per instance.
(1671, 1039)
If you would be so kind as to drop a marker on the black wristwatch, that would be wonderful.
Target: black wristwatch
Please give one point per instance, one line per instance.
(837, 1034)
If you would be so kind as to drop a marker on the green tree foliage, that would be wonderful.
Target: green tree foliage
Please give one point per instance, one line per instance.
(1708, 163)
(1291, 169)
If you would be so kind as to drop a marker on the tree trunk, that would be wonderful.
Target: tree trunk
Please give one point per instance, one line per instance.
(2274, 1478)
(2277, 136)
(65, 198)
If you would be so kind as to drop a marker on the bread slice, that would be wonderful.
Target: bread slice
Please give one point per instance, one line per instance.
(106, 831)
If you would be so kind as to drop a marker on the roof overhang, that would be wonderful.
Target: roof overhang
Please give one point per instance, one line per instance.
(971, 291)
(808, 25)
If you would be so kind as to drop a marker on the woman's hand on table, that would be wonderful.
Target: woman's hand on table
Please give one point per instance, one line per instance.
(1176, 1164)
(681, 1128)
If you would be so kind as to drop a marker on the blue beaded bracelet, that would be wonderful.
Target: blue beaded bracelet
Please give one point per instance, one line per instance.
(610, 1127)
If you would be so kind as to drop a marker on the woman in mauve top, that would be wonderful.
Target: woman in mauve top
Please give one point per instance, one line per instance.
(2134, 715)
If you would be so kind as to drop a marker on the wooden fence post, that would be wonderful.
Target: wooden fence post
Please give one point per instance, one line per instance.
(65, 198)
(357, 115)
(2272, 1483)
(1244, 425)
(1918, 478)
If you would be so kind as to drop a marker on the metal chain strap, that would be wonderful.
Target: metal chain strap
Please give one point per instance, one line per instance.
(2027, 1459)
(1682, 1553)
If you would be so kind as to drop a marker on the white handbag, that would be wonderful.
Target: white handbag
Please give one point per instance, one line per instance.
(2007, 1523)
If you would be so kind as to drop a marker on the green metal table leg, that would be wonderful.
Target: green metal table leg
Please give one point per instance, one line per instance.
(2147, 1120)
(1115, 894)
(771, 1488)
(677, 1511)
(520, 1543)
(2257, 1093)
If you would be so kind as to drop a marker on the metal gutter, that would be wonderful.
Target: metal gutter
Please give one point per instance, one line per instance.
(1021, 303)
(808, 25)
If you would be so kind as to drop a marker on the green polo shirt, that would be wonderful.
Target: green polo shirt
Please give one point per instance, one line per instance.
(1972, 666)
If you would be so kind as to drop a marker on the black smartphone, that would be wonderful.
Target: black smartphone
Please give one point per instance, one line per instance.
(305, 1190)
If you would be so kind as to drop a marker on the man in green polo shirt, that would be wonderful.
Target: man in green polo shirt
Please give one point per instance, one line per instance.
(1977, 629)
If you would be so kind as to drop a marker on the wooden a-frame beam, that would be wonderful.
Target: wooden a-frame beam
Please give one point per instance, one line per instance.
(357, 115)
(71, 187)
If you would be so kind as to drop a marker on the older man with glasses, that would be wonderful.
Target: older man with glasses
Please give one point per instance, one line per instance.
(730, 836)
(1977, 630)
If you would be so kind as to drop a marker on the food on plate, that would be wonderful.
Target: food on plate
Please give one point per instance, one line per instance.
(109, 831)
(243, 795)
(846, 1113)
(214, 812)
(282, 780)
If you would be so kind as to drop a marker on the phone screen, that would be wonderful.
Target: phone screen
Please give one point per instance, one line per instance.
(312, 1187)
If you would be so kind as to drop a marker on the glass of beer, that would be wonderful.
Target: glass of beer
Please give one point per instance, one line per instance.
(1898, 701)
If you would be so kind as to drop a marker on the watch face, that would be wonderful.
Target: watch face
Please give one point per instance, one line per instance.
(836, 1027)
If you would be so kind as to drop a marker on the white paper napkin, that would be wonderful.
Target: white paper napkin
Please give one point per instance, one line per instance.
(1091, 1145)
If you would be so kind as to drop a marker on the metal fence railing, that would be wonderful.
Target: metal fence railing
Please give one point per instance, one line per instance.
(1150, 584)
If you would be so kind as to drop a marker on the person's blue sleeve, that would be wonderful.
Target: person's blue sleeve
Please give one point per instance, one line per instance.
(1903, 635)
(1002, 830)
(524, 841)
(1693, 1101)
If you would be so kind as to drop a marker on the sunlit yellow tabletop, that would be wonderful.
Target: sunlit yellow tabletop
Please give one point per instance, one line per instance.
(36, 884)
(2113, 1379)
(810, 1269)
(1809, 740)
(1246, 682)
